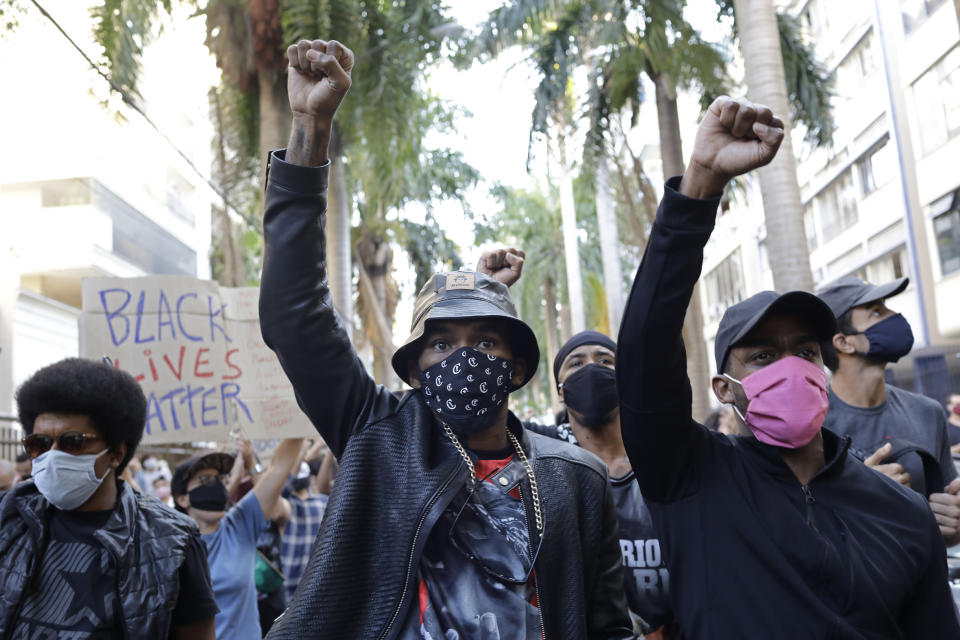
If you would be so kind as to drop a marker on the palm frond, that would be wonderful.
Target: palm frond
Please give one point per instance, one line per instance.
(123, 28)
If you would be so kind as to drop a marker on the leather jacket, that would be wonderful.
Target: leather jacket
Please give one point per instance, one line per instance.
(147, 540)
(398, 472)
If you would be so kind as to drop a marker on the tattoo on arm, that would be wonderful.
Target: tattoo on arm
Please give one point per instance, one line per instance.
(308, 143)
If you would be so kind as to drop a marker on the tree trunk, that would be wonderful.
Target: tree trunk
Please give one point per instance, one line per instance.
(374, 257)
(671, 153)
(609, 244)
(234, 271)
(550, 302)
(275, 118)
(668, 121)
(338, 236)
(783, 209)
(571, 249)
(565, 331)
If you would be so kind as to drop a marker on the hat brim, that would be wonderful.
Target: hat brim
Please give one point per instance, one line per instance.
(463, 308)
(797, 303)
(220, 462)
(882, 291)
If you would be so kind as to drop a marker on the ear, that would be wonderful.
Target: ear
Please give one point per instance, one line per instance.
(182, 500)
(117, 454)
(560, 393)
(844, 344)
(413, 377)
(519, 372)
(723, 389)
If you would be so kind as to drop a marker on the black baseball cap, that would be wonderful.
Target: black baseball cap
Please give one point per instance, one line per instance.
(222, 462)
(849, 292)
(742, 317)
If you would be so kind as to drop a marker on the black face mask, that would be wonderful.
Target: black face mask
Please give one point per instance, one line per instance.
(890, 339)
(466, 389)
(209, 497)
(591, 392)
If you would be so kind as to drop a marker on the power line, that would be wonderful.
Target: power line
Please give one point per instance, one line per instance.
(130, 102)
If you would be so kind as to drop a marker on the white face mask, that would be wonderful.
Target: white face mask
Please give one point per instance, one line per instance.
(66, 480)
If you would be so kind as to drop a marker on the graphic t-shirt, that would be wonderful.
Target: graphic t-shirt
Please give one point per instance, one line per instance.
(903, 415)
(232, 554)
(76, 595)
(473, 576)
(645, 576)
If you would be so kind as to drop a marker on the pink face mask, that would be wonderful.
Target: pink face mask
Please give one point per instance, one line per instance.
(788, 402)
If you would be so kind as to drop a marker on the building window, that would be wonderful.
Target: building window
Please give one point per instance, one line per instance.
(65, 193)
(877, 167)
(724, 285)
(886, 268)
(810, 227)
(916, 12)
(937, 98)
(946, 228)
(837, 206)
(859, 63)
(143, 242)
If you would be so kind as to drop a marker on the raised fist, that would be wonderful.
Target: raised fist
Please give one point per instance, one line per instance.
(503, 265)
(734, 137)
(318, 77)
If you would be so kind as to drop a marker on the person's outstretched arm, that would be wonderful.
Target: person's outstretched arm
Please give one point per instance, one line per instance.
(297, 317)
(665, 445)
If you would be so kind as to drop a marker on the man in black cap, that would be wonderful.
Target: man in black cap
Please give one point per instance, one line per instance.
(782, 534)
(448, 519)
(584, 371)
(901, 433)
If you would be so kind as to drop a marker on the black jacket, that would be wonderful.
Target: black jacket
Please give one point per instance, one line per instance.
(751, 552)
(147, 540)
(398, 472)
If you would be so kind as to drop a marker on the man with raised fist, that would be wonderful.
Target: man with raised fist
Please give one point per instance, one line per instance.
(780, 533)
(448, 519)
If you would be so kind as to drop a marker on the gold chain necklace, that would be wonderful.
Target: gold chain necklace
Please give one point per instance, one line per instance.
(534, 491)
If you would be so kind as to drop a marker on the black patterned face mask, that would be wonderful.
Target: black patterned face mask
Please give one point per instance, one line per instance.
(467, 388)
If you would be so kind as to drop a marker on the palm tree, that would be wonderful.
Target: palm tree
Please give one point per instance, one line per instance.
(564, 35)
(782, 73)
(376, 142)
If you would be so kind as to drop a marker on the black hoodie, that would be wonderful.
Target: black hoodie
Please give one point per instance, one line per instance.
(751, 552)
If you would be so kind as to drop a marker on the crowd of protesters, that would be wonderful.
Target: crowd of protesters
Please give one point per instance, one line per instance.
(808, 507)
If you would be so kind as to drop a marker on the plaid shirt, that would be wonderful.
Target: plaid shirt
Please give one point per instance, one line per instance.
(298, 537)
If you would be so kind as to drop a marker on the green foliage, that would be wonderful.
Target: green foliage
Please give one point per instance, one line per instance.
(123, 28)
(10, 12)
(809, 85)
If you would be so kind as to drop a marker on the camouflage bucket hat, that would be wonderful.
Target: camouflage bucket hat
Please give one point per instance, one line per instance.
(466, 295)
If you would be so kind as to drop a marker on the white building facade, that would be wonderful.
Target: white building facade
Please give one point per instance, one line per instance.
(88, 187)
(884, 200)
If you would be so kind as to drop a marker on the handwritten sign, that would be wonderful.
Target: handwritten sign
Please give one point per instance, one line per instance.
(196, 349)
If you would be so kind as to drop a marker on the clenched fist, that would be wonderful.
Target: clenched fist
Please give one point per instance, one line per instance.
(318, 77)
(735, 136)
(503, 265)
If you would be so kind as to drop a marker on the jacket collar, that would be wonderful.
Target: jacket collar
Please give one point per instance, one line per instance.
(116, 535)
(768, 457)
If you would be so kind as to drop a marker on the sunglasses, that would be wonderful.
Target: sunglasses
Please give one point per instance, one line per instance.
(72, 442)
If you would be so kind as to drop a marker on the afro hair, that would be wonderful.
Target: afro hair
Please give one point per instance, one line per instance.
(111, 398)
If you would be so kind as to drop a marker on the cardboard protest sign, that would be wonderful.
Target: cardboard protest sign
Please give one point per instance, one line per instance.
(196, 349)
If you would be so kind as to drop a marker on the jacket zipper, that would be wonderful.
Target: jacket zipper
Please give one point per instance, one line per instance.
(536, 580)
(810, 500)
(413, 547)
